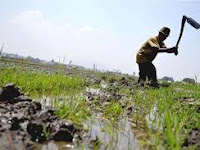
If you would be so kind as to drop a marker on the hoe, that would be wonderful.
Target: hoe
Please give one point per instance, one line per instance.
(192, 22)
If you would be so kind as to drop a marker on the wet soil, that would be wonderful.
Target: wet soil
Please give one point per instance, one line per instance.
(193, 139)
(96, 97)
(23, 122)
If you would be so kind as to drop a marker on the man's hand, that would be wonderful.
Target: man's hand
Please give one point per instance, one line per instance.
(176, 50)
(173, 50)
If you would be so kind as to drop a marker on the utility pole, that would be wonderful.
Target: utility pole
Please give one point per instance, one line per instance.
(95, 67)
(1, 49)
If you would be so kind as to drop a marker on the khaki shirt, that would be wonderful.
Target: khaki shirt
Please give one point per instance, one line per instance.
(149, 50)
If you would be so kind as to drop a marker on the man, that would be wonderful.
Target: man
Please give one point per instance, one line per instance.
(147, 54)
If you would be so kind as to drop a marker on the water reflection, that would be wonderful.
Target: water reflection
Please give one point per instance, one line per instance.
(110, 134)
(113, 136)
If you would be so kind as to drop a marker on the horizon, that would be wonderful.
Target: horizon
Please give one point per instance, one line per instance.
(103, 33)
(100, 70)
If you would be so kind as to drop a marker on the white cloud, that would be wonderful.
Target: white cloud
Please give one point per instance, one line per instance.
(29, 33)
(28, 17)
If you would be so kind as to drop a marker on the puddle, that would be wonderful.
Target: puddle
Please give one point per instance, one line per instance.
(53, 102)
(104, 84)
(47, 102)
(56, 146)
(111, 137)
(120, 137)
(153, 119)
(93, 90)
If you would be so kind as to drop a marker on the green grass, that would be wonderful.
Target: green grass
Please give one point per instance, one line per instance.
(113, 111)
(173, 118)
(75, 109)
(39, 83)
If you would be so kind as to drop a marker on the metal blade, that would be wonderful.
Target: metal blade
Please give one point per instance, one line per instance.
(193, 23)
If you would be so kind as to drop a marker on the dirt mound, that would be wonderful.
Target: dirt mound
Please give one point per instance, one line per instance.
(23, 122)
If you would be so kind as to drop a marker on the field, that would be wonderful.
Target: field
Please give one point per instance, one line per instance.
(113, 111)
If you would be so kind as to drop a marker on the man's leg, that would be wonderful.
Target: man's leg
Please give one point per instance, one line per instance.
(152, 75)
(142, 73)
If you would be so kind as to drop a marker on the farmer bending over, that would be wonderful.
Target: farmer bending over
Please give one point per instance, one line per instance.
(147, 54)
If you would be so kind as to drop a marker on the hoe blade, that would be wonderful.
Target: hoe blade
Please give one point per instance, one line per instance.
(193, 23)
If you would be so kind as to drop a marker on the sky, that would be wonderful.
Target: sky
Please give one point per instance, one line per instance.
(101, 32)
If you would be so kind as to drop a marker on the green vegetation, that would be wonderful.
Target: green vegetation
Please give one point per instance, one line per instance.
(75, 109)
(113, 110)
(39, 83)
(165, 115)
(173, 114)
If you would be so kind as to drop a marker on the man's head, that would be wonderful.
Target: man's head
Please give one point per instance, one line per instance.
(163, 33)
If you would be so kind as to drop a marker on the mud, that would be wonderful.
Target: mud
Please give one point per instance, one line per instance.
(193, 139)
(23, 122)
(105, 97)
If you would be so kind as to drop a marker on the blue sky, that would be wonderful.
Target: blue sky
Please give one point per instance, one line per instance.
(102, 32)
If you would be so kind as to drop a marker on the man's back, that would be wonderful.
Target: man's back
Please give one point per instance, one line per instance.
(147, 52)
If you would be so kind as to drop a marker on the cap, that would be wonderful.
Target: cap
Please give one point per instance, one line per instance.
(165, 31)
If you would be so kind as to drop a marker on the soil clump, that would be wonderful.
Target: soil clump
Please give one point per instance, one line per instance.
(23, 122)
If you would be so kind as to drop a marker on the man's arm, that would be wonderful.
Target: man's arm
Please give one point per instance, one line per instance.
(168, 50)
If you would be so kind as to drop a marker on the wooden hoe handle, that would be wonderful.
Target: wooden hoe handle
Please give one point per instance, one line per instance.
(181, 32)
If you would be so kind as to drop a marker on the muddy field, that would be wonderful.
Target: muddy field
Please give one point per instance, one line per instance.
(24, 123)
(48, 108)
